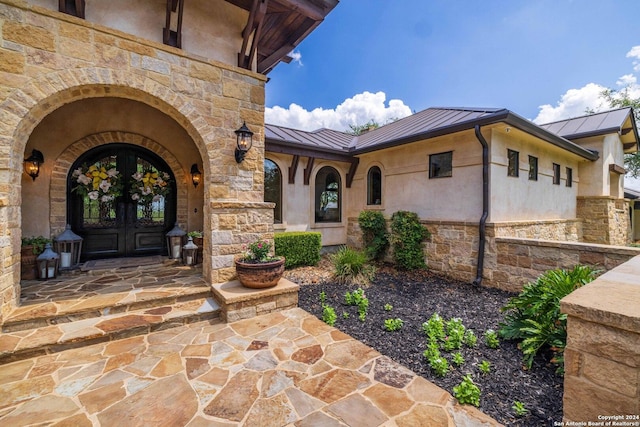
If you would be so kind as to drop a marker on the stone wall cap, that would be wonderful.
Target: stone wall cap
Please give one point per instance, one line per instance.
(611, 299)
(242, 205)
(587, 247)
(234, 292)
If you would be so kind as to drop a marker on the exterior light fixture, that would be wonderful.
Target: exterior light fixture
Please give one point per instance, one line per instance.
(175, 240)
(244, 140)
(69, 246)
(190, 253)
(32, 164)
(47, 263)
(196, 175)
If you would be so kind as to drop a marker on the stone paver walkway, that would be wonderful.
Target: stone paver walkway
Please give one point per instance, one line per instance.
(281, 369)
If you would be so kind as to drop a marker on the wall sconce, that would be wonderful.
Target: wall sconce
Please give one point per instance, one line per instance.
(244, 141)
(32, 164)
(196, 175)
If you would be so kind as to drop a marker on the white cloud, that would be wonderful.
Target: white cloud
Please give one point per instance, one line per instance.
(357, 110)
(572, 104)
(296, 56)
(635, 53)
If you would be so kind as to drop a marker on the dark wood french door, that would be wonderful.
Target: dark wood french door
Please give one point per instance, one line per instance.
(121, 201)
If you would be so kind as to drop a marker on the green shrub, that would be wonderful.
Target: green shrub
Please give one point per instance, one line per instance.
(391, 325)
(359, 299)
(374, 234)
(350, 266)
(533, 317)
(407, 235)
(298, 247)
(467, 392)
(329, 315)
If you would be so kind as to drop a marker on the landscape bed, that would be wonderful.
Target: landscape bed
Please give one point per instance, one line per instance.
(414, 297)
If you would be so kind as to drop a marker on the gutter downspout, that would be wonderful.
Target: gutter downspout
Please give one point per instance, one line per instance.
(485, 206)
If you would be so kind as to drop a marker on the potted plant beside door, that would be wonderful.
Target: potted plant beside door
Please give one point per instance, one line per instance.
(31, 248)
(257, 268)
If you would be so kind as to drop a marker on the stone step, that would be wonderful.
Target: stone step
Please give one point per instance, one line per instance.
(55, 312)
(52, 338)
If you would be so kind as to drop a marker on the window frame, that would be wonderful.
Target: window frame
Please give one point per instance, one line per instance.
(533, 168)
(556, 174)
(321, 183)
(370, 190)
(569, 173)
(277, 211)
(432, 157)
(513, 163)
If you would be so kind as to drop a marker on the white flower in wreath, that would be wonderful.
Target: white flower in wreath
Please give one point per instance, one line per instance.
(135, 196)
(137, 176)
(82, 178)
(104, 186)
(93, 195)
(156, 198)
(106, 198)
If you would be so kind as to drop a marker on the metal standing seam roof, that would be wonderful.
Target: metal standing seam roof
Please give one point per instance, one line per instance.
(594, 124)
(425, 124)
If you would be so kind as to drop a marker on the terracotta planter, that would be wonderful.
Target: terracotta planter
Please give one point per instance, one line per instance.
(260, 274)
(28, 265)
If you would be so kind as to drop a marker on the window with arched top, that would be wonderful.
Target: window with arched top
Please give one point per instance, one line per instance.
(327, 195)
(273, 188)
(374, 186)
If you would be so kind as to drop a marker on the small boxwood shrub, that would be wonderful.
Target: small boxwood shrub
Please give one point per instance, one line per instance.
(407, 235)
(298, 247)
(374, 233)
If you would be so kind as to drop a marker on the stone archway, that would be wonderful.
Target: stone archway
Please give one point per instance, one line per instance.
(58, 188)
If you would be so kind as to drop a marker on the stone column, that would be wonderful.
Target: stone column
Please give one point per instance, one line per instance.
(602, 357)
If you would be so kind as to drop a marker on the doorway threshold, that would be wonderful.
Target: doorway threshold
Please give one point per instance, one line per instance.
(128, 262)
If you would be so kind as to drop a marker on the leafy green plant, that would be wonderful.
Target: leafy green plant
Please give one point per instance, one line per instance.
(467, 392)
(407, 234)
(457, 359)
(329, 315)
(432, 351)
(533, 317)
(345, 315)
(491, 338)
(350, 266)
(434, 327)
(439, 365)
(393, 324)
(388, 307)
(519, 409)
(470, 338)
(37, 243)
(323, 297)
(484, 367)
(374, 233)
(454, 334)
(359, 299)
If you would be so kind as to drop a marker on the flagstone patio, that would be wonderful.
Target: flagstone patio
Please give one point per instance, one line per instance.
(148, 346)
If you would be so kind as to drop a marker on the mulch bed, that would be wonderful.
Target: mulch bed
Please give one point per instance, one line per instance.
(415, 296)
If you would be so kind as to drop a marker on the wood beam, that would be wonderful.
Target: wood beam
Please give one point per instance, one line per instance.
(308, 169)
(352, 171)
(306, 8)
(293, 169)
(169, 36)
(251, 33)
(617, 169)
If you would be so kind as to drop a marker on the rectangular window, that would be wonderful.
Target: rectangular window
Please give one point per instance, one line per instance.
(513, 167)
(556, 174)
(533, 168)
(569, 177)
(440, 165)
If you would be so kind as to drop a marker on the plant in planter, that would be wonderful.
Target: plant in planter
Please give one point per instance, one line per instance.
(257, 268)
(198, 241)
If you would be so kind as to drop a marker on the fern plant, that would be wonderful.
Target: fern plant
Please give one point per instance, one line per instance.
(533, 317)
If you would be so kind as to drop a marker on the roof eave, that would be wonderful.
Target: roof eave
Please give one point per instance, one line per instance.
(298, 149)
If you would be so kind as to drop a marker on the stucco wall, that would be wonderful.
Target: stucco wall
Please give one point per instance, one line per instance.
(519, 198)
(597, 179)
(210, 28)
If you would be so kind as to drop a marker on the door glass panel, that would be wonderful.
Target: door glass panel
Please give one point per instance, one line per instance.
(149, 188)
(99, 184)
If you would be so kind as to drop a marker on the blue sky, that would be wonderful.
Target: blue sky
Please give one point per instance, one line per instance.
(515, 54)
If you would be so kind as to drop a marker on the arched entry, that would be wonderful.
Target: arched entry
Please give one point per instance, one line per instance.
(121, 200)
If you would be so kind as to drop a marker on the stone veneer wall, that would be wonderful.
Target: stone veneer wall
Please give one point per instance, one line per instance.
(605, 220)
(509, 262)
(49, 59)
(602, 357)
